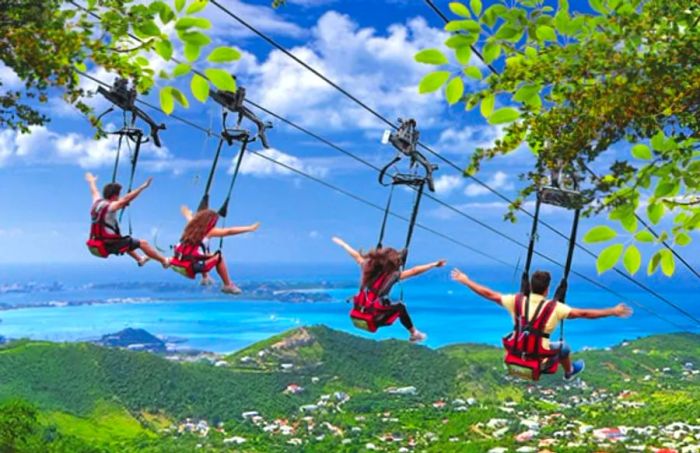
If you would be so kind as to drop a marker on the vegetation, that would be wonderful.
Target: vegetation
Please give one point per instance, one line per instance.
(563, 87)
(81, 397)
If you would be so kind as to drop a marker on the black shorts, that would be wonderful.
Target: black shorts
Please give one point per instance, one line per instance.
(122, 245)
(201, 266)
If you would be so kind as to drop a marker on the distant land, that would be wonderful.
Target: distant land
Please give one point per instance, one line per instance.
(319, 390)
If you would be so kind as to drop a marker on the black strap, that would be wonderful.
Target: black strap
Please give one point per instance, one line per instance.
(412, 222)
(223, 210)
(138, 133)
(387, 209)
(225, 137)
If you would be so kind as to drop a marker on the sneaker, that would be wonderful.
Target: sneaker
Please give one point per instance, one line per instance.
(577, 367)
(143, 261)
(207, 281)
(233, 289)
(166, 263)
(417, 337)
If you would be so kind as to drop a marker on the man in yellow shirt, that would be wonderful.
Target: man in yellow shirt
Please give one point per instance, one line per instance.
(539, 288)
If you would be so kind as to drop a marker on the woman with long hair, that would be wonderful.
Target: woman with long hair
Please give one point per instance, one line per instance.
(381, 270)
(192, 256)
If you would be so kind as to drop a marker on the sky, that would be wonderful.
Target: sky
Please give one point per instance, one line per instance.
(367, 47)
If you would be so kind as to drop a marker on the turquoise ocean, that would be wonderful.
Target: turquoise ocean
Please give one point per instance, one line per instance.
(168, 305)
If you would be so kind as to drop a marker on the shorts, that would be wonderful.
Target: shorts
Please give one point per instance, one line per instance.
(122, 245)
(204, 265)
(562, 347)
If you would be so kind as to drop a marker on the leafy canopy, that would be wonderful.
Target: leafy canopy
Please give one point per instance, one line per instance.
(578, 90)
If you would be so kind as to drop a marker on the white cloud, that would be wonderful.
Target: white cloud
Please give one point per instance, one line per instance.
(9, 78)
(43, 146)
(255, 165)
(376, 67)
(446, 184)
(465, 141)
(310, 3)
(262, 17)
(498, 181)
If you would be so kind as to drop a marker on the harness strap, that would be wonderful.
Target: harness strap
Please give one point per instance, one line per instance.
(134, 160)
(387, 209)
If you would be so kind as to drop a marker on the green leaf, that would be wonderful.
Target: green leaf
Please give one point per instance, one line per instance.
(644, 236)
(561, 22)
(463, 55)
(141, 61)
(597, 6)
(476, 7)
(629, 223)
(80, 66)
(492, 14)
(223, 55)
(463, 25)
(487, 105)
(632, 259)
(659, 142)
(655, 211)
(166, 14)
(433, 81)
(192, 51)
(164, 48)
(148, 28)
(181, 69)
(653, 263)
(491, 51)
(179, 4)
(221, 79)
(167, 102)
(546, 33)
(179, 97)
(473, 72)
(641, 151)
(600, 233)
(197, 6)
(526, 92)
(507, 32)
(454, 90)
(200, 88)
(431, 56)
(504, 115)
(609, 257)
(668, 264)
(664, 188)
(184, 23)
(459, 9)
(683, 239)
(457, 41)
(195, 38)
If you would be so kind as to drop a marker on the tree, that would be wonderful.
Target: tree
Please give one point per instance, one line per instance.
(576, 87)
(47, 43)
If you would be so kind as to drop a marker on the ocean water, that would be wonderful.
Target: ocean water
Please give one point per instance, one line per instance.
(168, 305)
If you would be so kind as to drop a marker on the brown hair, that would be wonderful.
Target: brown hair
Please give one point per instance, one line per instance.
(200, 225)
(111, 189)
(378, 262)
(539, 282)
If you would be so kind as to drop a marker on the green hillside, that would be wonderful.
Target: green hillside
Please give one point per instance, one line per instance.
(355, 392)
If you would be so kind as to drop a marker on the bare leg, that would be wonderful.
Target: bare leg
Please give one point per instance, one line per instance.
(229, 287)
(206, 279)
(135, 255)
(153, 254)
(566, 363)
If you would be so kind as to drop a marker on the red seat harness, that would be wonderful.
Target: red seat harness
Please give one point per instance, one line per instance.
(186, 255)
(371, 308)
(101, 232)
(526, 356)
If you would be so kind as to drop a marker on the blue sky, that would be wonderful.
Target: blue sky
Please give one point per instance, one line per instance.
(366, 46)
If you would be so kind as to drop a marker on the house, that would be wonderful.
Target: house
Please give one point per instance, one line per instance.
(220, 363)
(402, 390)
(295, 441)
(613, 434)
(526, 450)
(439, 404)
(293, 389)
(246, 359)
(309, 408)
(236, 440)
(315, 380)
(250, 414)
(286, 366)
(498, 450)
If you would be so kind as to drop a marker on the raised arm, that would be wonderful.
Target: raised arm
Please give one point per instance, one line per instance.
(417, 270)
(357, 256)
(232, 231)
(186, 212)
(131, 196)
(481, 290)
(92, 183)
(619, 310)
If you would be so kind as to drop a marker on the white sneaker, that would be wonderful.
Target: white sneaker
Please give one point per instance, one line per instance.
(417, 337)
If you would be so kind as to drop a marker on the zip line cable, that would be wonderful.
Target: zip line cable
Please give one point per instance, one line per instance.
(380, 208)
(435, 153)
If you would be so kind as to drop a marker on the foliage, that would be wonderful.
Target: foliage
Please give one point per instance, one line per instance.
(576, 88)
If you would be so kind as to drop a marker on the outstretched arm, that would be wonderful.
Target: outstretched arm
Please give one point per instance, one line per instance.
(357, 256)
(131, 196)
(186, 212)
(417, 270)
(92, 182)
(481, 290)
(620, 311)
(232, 231)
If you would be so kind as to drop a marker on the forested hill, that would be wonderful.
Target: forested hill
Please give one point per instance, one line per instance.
(316, 369)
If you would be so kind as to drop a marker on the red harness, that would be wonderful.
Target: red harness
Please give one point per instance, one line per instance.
(101, 233)
(187, 255)
(526, 357)
(371, 309)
